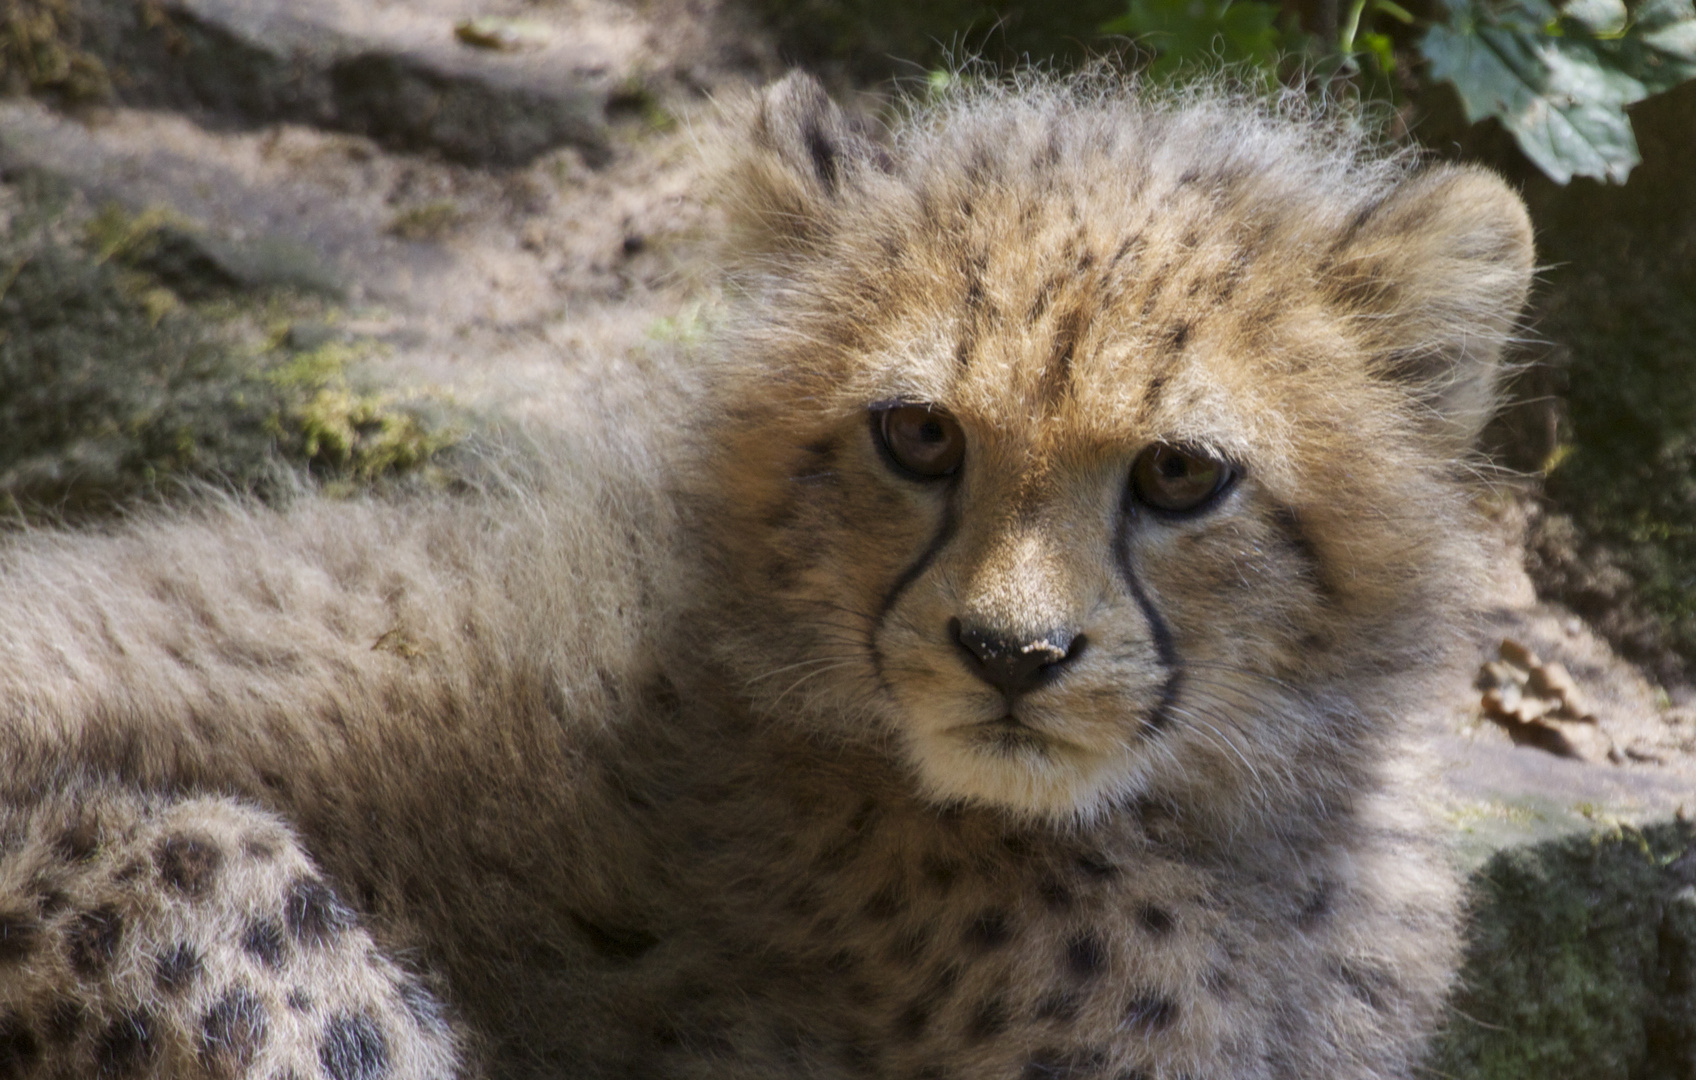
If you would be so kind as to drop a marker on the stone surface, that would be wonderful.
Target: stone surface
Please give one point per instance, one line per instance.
(331, 299)
(397, 75)
(1581, 962)
(1508, 789)
(1582, 922)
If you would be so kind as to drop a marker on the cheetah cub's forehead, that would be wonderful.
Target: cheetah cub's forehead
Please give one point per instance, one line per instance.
(1090, 448)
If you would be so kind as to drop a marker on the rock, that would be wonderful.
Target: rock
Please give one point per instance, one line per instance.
(235, 219)
(1581, 962)
(104, 398)
(404, 80)
(306, 335)
(508, 35)
(197, 264)
(1500, 794)
(1581, 959)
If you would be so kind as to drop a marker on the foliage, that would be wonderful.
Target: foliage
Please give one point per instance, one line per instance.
(343, 430)
(868, 40)
(1557, 78)
(1234, 32)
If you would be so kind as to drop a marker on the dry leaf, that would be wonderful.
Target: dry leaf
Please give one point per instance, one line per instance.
(1540, 705)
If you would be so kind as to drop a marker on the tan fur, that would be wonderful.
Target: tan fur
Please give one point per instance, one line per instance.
(670, 765)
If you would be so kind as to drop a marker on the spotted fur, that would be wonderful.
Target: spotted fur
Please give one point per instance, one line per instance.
(675, 762)
(137, 958)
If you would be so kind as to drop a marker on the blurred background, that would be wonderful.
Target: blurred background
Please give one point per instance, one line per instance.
(278, 246)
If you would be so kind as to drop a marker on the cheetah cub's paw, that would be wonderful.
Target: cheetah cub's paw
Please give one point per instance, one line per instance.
(146, 937)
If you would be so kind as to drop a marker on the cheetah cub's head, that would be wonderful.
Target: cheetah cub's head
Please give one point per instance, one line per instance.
(1080, 449)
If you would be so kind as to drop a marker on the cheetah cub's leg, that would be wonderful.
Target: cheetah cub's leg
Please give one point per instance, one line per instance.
(188, 938)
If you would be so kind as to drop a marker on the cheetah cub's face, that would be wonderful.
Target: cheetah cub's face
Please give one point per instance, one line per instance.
(1085, 450)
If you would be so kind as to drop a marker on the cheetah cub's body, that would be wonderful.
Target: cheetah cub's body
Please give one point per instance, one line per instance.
(995, 679)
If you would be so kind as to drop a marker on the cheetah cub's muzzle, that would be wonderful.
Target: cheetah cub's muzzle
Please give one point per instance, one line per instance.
(990, 639)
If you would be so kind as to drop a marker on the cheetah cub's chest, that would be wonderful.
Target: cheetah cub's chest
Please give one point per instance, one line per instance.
(879, 936)
(921, 943)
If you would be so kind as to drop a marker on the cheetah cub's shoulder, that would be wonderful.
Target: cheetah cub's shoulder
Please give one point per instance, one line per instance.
(996, 679)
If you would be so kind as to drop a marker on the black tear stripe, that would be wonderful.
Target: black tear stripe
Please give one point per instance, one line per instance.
(944, 533)
(1164, 647)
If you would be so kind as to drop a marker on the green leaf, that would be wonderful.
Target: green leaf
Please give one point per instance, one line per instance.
(1659, 49)
(1560, 81)
(1394, 11)
(1380, 48)
(1561, 98)
(1600, 17)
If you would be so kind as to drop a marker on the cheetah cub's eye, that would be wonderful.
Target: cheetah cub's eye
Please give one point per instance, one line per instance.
(1177, 480)
(923, 442)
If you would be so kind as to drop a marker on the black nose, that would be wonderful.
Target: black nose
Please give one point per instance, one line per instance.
(1015, 663)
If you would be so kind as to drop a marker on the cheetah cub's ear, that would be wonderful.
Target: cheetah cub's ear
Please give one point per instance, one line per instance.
(803, 156)
(1433, 278)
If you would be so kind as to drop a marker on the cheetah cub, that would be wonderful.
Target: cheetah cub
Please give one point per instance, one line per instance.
(982, 661)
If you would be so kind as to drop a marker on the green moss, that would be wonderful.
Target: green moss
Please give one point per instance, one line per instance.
(200, 265)
(1579, 965)
(41, 52)
(113, 388)
(105, 388)
(115, 233)
(342, 431)
(428, 221)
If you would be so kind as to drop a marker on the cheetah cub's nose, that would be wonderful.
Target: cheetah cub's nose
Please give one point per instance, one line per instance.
(1014, 664)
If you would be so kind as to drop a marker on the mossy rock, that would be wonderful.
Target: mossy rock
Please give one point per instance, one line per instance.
(198, 265)
(246, 63)
(114, 386)
(1581, 963)
(42, 52)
